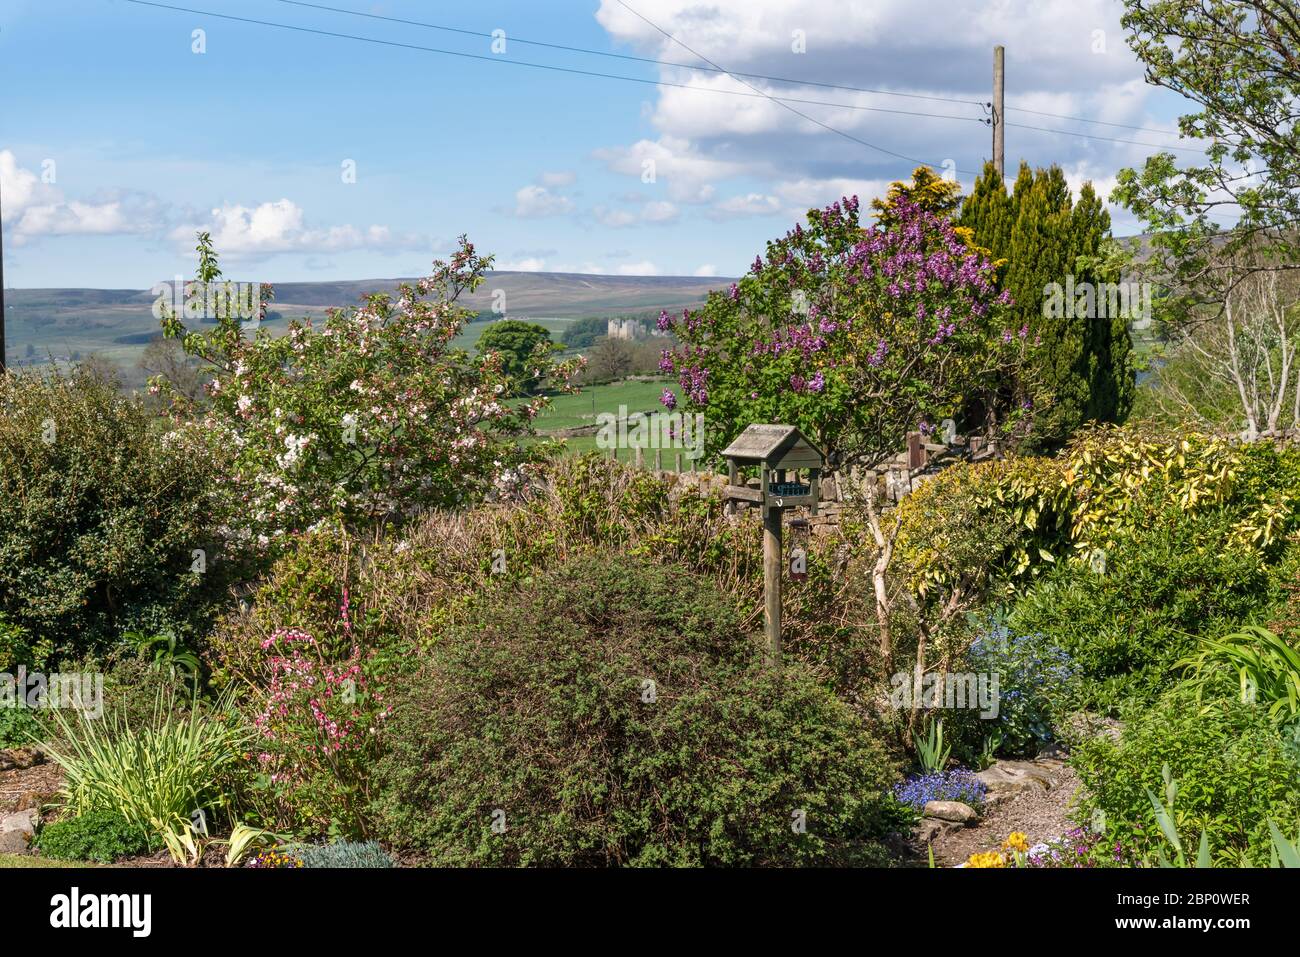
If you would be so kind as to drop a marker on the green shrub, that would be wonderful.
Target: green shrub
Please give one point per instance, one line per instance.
(406, 590)
(100, 514)
(17, 648)
(156, 776)
(341, 854)
(18, 726)
(101, 836)
(1036, 680)
(1125, 628)
(613, 712)
(1234, 773)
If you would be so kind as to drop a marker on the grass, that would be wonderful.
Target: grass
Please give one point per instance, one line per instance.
(22, 860)
(571, 411)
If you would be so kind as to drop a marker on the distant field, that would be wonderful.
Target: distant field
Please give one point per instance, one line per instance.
(117, 324)
(573, 411)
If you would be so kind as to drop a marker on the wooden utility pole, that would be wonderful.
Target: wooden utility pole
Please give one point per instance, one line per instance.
(772, 561)
(999, 130)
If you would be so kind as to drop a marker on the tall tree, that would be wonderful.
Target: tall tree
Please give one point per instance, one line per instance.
(927, 191)
(1047, 241)
(1238, 61)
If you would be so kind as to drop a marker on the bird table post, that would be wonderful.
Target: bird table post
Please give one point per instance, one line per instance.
(780, 452)
(772, 557)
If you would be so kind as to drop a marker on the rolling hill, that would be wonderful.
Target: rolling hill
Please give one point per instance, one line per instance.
(116, 324)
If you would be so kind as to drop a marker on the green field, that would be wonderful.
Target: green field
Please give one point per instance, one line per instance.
(575, 411)
(572, 411)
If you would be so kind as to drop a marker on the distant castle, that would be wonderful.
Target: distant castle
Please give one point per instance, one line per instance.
(629, 329)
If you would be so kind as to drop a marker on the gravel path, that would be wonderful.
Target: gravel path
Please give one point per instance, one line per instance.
(1040, 814)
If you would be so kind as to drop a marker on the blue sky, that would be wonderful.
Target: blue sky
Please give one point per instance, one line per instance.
(117, 140)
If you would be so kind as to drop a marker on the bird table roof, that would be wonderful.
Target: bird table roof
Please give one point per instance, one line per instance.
(779, 446)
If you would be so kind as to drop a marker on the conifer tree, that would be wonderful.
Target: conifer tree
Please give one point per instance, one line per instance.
(1082, 363)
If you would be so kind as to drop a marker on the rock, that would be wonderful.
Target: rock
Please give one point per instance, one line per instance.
(20, 758)
(1006, 779)
(953, 811)
(20, 822)
(13, 842)
(931, 828)
(35, 799)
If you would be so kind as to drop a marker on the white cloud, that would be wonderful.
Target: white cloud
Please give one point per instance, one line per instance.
(643, 268)
(659, 211)
(750, 204)
(530, 264)
(616, 218)
(671, 161)
(279, 226)
(533, 202)
(707, 269)
(34, 208)
(1063, 56)
(655, 212)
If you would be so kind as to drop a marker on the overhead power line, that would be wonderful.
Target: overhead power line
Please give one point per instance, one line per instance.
(799, 113)
(546, 66)
(709, 68)
(1107, 139)
(1084, 119)
(493, 58)
(752, 92)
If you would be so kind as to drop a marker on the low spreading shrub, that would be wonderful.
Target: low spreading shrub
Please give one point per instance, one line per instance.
(101, 836)
(18, 726)
(1126, 624)
(614, 712)
(405, 590)
(1234, 770)
(1035, 681)
(341, 854)
(317, 738)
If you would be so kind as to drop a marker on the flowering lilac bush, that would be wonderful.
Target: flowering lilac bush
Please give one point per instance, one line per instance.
(855, 335)
(957, 785)
(369, 417)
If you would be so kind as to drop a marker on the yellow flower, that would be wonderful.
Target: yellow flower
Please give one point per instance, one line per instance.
(988, 859)
(1017, 841)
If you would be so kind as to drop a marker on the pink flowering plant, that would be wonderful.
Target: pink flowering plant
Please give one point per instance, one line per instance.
(856, 335)
(369, 416)
(318, 734)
